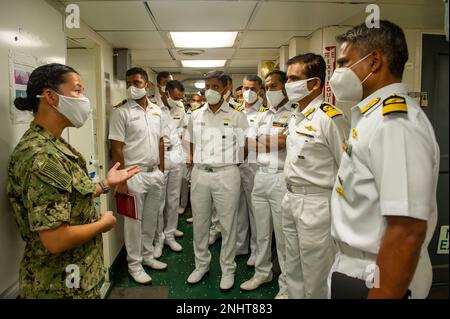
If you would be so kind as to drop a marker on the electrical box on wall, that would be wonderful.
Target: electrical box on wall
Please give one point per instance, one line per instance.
(122, 62)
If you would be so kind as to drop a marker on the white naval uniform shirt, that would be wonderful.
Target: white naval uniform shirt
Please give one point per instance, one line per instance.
(390, 168)
(252, 112)
(314, 146)
(218, 136)
(271, 122)
(140, 131)
(173, 121)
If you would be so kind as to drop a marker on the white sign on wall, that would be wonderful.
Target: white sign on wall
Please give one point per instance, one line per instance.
(329, 54)
(442, 248)
(20, 68)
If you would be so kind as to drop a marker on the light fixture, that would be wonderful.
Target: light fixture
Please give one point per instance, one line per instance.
(203, 63)
(199, 84)
(203, 39)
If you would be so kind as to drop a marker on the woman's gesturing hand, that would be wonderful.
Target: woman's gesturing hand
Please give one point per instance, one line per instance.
(116, 176)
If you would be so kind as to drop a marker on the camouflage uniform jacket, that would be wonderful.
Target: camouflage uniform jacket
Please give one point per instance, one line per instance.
(48, 185)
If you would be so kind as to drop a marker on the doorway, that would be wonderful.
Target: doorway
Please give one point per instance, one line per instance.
(435, 102)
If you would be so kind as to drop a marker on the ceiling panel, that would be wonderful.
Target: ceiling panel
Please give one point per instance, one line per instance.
(209, 54)
(158, 64)
(270, 39)
(302, 15)
(243, 63)
(242, 71)
(115, 15)
(201, 15)
(430, 16)
(156, 54)
(257, 54)
(134, 40)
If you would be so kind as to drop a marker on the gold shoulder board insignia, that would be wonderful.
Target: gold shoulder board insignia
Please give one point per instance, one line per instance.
(196, 107)
(263, 109)
(330, 110)
(120, 104)
(370, 105)
(394, 104)
(237, 108)
(310, 111)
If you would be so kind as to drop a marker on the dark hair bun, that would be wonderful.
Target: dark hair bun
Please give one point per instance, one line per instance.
(22, 103)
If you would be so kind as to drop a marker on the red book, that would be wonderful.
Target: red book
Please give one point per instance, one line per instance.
(127, 205)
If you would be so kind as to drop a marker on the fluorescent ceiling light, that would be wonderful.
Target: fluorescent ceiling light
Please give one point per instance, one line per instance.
(200, 84)
(203, 63)
(203, 39)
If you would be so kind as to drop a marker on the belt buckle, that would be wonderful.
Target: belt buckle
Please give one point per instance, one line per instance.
(209, 169)
(288, 186)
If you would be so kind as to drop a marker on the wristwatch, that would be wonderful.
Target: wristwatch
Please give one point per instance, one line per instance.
(105, 189)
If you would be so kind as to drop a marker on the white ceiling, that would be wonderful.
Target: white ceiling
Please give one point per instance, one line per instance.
(263, 25)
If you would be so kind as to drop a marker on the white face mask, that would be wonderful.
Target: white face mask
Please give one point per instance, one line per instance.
(163, 88)
(75, 109)
(346, 85)
(172, 103)
(194, 104)
(274, 98)
(135, 93)
(212, 97)
(250, 96)
(298, 90)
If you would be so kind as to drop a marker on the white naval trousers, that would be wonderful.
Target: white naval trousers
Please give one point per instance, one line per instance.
(221, 189)
(185, 182)
(139, 233)
(309, 246)
(268, 192)
(169, 203)
(246, 232)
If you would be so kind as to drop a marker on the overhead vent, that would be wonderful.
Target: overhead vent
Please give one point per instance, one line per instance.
(190, 52)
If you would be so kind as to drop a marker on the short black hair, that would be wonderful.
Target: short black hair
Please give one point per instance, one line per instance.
(239, 88)
(283, 76)
(229, 79)
(389, 38)
(48, 76)
(315, 66)
(162, 75)
(174, 84)
(222, 77)
(254, 78)
(137, 70)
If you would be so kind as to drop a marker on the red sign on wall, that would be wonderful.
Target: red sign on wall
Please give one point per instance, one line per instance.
(329, 55)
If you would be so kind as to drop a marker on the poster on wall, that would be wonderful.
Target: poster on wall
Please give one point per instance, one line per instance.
(329, 54)
(20, 68)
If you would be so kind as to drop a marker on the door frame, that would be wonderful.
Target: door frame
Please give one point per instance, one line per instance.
(420, 55)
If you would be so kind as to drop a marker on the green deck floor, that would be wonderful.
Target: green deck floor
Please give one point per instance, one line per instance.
(181, 264)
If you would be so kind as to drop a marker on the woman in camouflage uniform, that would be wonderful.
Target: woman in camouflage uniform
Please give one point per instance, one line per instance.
(51, 192)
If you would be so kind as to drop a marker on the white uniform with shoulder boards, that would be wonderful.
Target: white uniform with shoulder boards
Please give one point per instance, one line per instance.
(216, 138)
(140, 130)
(268, 191)
(173, 121)
(389, 167)
(313, 157)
